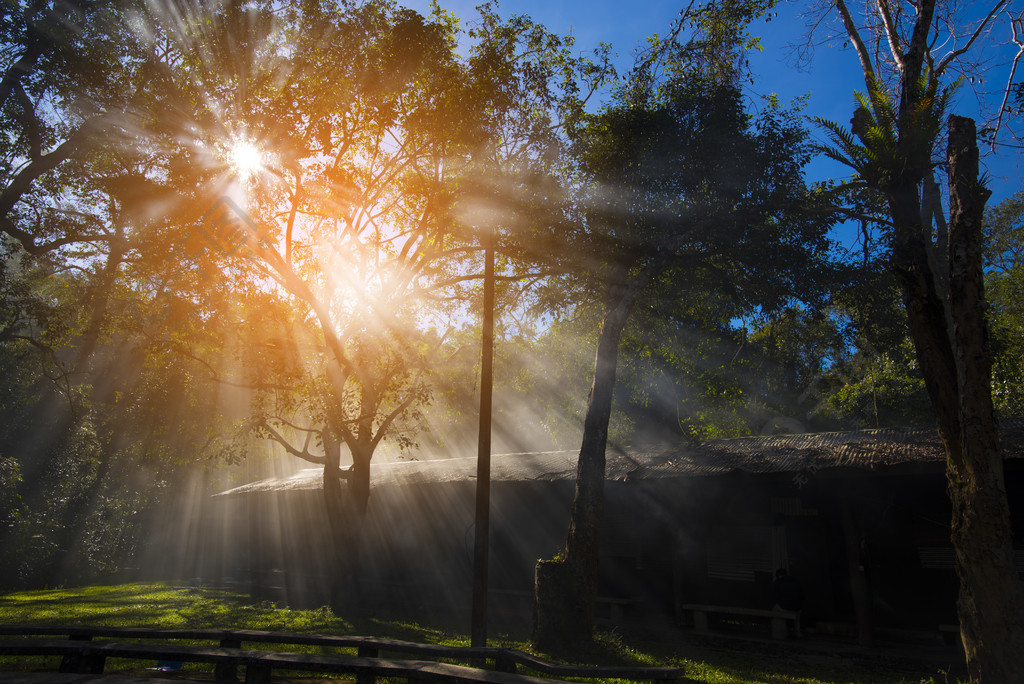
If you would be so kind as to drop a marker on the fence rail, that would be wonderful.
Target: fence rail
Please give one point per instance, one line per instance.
(80, 652)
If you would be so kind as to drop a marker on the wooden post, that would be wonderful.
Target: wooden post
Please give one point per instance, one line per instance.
(227, 672)
(257, 673)
(859, 590)
(481, 544)
(367, 652)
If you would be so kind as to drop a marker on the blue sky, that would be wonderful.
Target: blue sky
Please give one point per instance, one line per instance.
(829, 80)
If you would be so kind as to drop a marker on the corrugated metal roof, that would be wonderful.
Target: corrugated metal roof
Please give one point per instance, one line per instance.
(862, 449)
(546, 466)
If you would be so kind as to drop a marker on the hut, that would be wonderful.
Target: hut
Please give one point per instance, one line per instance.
(860, 518)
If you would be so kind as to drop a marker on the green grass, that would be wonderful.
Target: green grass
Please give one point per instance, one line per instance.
(159, 605)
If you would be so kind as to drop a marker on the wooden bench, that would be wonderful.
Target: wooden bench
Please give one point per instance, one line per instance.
(80, 653)
(778, 618)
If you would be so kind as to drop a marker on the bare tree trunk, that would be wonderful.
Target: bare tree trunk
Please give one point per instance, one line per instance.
(926, 312)
(346, 508)
(952, 352)
(956, 366)
(566, 591)
(337, 525)
(991, 605)
(359, 477)
(931, 208)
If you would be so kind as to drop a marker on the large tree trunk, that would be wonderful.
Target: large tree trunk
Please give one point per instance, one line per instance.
(566, 591)
(359, 478)
(346, 508)
(956, 368)
(991, 605)
(334, 510)
(952, 353)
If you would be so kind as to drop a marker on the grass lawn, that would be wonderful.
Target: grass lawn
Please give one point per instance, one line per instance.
(160, 605)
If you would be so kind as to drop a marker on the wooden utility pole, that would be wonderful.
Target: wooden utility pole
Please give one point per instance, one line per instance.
(481, 539)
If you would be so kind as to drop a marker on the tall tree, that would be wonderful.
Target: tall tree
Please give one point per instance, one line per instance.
(679, 185)
(422, 159)
(895, 131)
(78, 87)
(382, 159)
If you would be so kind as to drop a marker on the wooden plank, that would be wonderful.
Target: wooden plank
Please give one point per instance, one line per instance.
(95, 652)
(227, 672)
(426, 670)
(226, 659)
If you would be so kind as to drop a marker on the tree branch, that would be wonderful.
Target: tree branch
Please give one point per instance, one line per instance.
(29, 121)
(891, 34)
(915, 56)
(858, 43)
(382, 428)
(303, 454)
(24, 65)
(981, 27)
(1016, 27)
(22, 182)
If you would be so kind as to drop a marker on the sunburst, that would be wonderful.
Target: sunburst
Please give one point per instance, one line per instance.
(245, 158)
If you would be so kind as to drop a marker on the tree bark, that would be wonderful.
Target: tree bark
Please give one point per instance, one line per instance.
(553, 630)
(991, 603)
(359, 477)
(346, 508)
(956, 366)
(952, 353)
(926, 312)
(334, 509)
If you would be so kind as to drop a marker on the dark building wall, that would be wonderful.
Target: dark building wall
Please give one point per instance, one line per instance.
(714, 540)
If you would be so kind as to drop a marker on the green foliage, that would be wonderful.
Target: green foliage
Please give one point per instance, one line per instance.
(1004, 234)
(1004, 289)
(882, 148)
(680, 183)
(1006, 315)
(883, 392)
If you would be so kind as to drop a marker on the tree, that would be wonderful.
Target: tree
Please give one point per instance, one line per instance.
(895, 130)
(95, 414)
(74, 82)
(418, 169)
(678, 185)
(385, 159)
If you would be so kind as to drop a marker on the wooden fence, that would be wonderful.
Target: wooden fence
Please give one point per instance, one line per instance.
(86, 650)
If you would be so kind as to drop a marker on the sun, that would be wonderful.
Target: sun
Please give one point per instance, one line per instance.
(245, 158)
